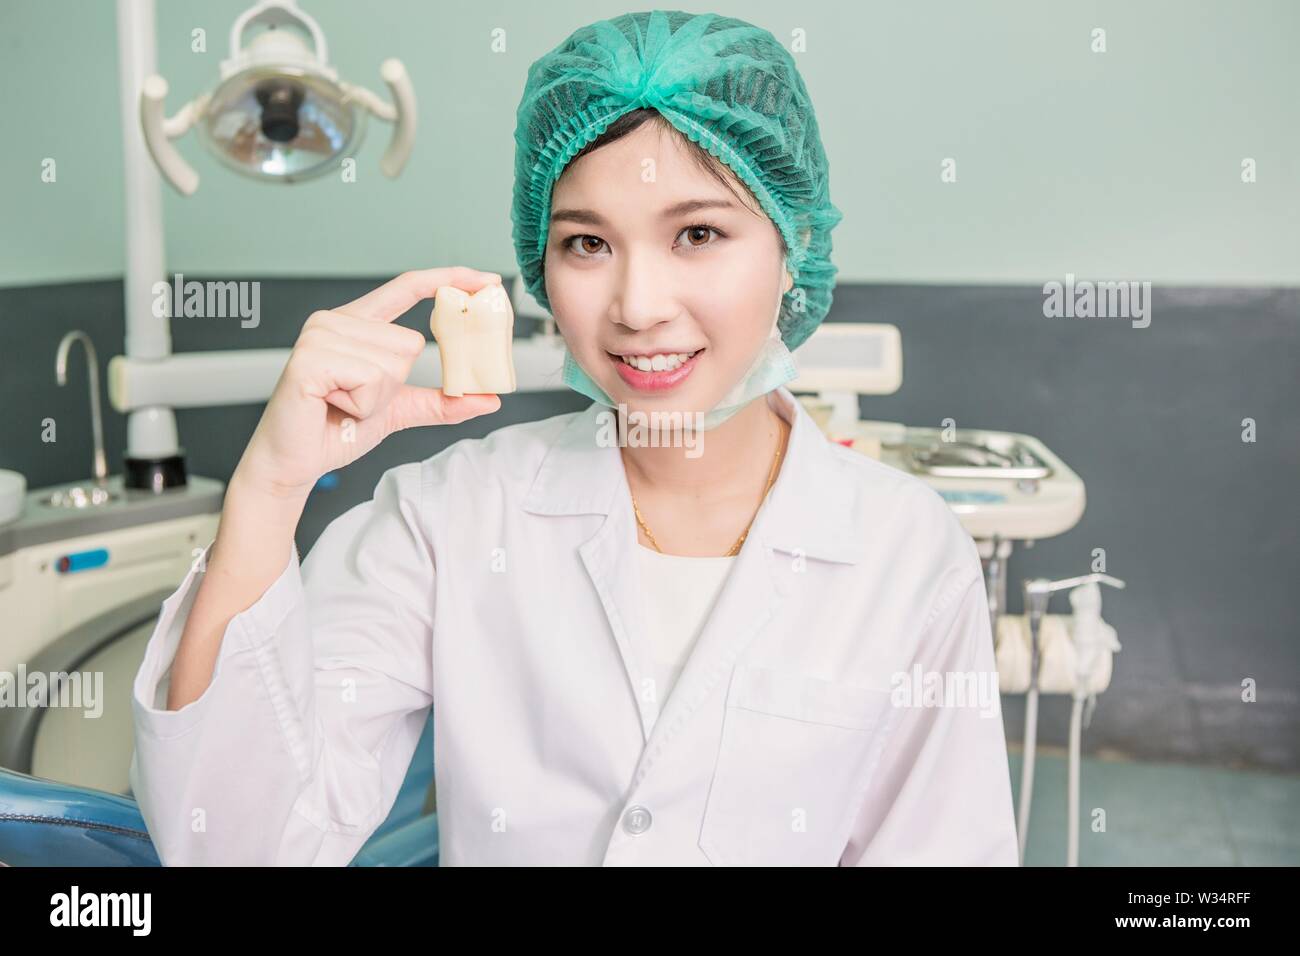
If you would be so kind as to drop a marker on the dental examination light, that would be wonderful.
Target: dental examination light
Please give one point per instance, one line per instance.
(279, 113)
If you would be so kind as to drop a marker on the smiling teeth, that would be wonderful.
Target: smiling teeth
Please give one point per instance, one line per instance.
(663, 362)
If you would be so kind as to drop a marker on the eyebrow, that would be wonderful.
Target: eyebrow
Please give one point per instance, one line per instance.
(587, 217)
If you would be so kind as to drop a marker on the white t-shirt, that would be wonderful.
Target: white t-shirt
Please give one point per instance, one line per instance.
(678, 594)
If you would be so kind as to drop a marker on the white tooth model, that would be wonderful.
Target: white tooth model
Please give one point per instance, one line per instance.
(475, 339)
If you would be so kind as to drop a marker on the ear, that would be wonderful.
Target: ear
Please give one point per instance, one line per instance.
(789, 281)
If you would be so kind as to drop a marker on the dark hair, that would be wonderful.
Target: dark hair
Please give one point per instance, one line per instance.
(703, 158)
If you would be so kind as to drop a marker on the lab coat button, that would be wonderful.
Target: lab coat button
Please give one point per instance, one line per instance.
(636, 820)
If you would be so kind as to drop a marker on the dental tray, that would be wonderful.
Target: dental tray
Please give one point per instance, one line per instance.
(971, 455)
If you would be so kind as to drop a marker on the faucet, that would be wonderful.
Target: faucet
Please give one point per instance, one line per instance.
(61, 370)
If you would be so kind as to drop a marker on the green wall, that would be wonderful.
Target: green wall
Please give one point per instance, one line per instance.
(1118, 165)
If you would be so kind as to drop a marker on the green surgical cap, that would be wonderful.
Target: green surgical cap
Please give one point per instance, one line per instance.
(724, 83)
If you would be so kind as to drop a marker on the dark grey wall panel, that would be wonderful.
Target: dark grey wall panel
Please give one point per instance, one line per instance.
(1200, 525)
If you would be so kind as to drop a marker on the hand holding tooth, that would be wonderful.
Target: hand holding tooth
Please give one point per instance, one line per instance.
(344, 387)
(475, 340)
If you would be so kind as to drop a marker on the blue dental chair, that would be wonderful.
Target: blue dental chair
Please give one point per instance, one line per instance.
(49, 823)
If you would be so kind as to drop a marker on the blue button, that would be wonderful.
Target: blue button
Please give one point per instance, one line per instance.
(82, 561)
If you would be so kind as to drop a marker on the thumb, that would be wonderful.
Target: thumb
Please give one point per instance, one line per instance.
(414, 406)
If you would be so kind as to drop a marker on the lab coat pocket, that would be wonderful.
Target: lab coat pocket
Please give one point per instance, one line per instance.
(795, 757)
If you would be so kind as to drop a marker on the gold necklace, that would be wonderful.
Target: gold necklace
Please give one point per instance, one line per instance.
(735, 548)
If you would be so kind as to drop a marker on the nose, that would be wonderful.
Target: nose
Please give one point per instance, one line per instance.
(646, 296)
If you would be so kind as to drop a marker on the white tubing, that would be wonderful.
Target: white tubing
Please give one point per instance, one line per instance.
(1027, 769)
(1072, 797)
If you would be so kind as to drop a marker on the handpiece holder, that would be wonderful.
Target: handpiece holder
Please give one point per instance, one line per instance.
(1038, 592)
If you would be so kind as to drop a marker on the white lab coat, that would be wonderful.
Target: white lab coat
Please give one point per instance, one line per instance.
(496, 582)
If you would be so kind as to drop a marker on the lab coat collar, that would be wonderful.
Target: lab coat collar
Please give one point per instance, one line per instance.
(805, 512)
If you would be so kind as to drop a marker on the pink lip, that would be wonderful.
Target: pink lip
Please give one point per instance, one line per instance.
(655, 381)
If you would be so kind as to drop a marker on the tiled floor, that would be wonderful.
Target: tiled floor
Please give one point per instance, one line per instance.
(1163, 814)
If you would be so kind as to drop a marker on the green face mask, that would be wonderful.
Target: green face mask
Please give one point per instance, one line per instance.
(772, 367)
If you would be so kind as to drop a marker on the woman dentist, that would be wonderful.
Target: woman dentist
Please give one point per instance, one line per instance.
(635, 654)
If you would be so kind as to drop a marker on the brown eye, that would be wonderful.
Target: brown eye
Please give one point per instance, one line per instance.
(584, 247)
(701, 235)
